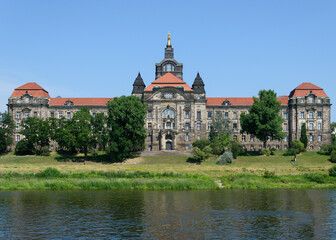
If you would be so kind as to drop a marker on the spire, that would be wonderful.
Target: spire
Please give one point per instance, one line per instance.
(138, 85)
(198, 85)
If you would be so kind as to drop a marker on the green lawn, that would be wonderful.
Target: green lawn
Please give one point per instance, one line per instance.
(310, 171)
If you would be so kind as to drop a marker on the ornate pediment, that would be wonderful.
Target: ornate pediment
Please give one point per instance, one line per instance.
(69, 103)
(226, 103)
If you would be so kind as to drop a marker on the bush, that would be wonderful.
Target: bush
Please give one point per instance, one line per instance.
(290, 152)
(298, 146)
(328, 148)
(332, 171)
(266, 152)
(24, 147)
(273, 150)
(317, 177)
(333, 157)
(43, 151)
(268, 174)
(236, 149)
(208, 151)
(49, 173)
(225, 158)
(201, 144)
(198, 155)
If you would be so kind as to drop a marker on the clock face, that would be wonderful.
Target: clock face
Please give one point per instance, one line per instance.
(168, 95)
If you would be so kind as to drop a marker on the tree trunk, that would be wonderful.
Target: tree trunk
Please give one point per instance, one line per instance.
(85, 153)
(265, 142)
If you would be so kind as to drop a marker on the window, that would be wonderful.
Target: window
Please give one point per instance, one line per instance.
(52, 114)
(319, 126)
(235, 137)
(198, 114)
(168, 67)
(149, 114)
(26, 114)
(187, 114)
(18, 126)
(168, 125)
(285, 115)
(302, 115)
(302, 100)
(252, 138)
(311, 138)
(18, 101)
(319, 114)
(319, 100)
(198, 126)
(285, 127)
(198, 137)
(277, 147)
(235, 115)
(226, 115)
(311, 114)
(209, 126)
(149, 125)
(243, 138)
(311, 126)
(17, 138)
(269, 139)
(319, 138)
(18, 115)
(311, 99)
(285, 147)
(235, 127)
(285, 139)
(69, 115)
(252, 148)
(187, 126)
(35, 114)
(168, 113)
(218, 115)
(35, 101)
(187, 138)
(209, 115)
(260, 147)
(60, 115)
(27, 100)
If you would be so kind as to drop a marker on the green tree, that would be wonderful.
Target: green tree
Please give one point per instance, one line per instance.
(220, 143)
(126, 121)
(297, 145)
(304, 138)
(6, 131)
(263, 119)
(80, 127)
(99, 130)
(219, 124)
(37, 135)
(333, 136)
(62, 133)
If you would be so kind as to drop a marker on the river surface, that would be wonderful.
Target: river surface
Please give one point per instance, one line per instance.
(224, 214)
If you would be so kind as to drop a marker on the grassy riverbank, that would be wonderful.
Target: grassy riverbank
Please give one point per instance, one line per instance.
(165, 172)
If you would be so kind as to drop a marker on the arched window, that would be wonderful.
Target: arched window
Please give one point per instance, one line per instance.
(168, 67)
(168, 113)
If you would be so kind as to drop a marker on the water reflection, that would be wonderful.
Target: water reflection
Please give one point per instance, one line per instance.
(228, 214)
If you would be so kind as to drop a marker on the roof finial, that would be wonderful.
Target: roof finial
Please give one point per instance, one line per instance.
(169, 43)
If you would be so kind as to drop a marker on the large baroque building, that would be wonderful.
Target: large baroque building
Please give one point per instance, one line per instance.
(179, 114)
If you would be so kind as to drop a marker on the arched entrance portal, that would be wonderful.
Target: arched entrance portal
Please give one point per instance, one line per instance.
(169, 145)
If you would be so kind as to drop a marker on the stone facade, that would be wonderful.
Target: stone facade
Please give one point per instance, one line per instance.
(179, 114)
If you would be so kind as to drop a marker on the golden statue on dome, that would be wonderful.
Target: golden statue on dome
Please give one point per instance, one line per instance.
(168, 43)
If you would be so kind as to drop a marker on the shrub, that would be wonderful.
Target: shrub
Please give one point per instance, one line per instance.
(198, 154)
(316, 177)
(44, 151)
(236, 149)
(332, 171)
(290, 152)
(333, 157)
(225, 158)
(49, 173)
(201, 144)
(24, 147)
(273, 150)
(268, 174)
(208, 151)
(266, 152)
(298, 146)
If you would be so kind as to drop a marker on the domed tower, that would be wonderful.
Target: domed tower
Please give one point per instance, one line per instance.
(138, 86)
(169, 64)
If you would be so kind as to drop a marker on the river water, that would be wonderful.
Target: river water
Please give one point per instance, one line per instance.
(224, 214)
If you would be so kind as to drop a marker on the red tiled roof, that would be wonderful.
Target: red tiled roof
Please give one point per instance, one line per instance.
(242, 101)
(306, 88)
(168, 80)
(80, 101)
(32, 88)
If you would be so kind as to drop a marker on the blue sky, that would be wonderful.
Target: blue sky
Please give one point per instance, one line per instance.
(96, 48)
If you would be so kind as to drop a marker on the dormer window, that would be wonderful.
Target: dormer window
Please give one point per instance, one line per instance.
(69, 103)
(168, 67)
(311, 99)
(27, 100)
